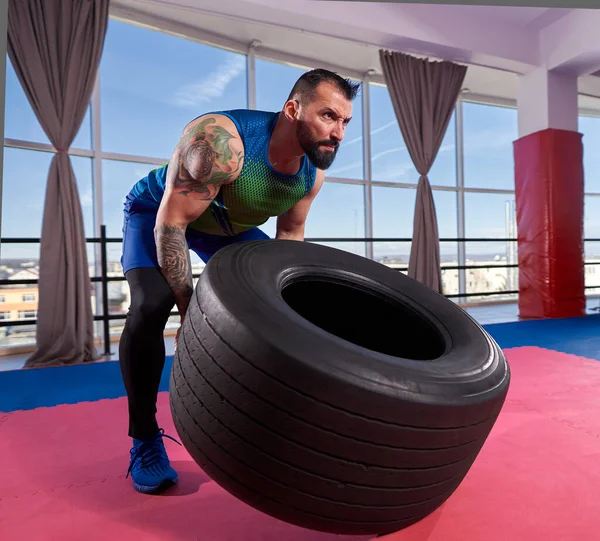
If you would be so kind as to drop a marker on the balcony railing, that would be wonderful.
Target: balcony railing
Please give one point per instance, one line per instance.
(104, 279)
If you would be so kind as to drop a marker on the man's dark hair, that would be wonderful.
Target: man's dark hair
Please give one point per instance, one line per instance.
(306, 85)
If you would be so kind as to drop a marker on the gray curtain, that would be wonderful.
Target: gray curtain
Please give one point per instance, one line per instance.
(55, 47)
(423, 93)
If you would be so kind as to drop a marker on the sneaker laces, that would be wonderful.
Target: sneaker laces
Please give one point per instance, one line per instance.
(150, 451)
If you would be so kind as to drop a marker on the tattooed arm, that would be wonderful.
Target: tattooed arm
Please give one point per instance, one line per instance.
(209, 155)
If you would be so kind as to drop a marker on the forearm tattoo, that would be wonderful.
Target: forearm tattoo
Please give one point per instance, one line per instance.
(205, 160)
(174, 262)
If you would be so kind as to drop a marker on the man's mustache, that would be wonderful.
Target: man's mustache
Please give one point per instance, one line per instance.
(329, 143)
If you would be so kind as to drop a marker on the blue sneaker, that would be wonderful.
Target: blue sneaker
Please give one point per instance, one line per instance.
(149, 465)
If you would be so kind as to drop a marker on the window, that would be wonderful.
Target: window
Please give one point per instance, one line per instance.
(22, 209)
(21, 122)
(390, 159)
(592, 248)
(489, 216)
(338, 211)
(393, 212)
(443, 170)
(589, 127)
(488, 135)
(274, 82)
(118, 178)
(22, 215)
(82, 167)
(4, 315)
(153, 84)
(591, 222)
(23, 204)
(446, 213)
(393, 217)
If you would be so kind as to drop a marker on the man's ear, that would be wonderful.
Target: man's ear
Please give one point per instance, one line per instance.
(291, 110)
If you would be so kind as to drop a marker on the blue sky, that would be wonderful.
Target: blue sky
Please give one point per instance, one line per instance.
(154, 84)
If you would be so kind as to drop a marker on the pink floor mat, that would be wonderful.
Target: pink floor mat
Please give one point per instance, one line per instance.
(537, 478)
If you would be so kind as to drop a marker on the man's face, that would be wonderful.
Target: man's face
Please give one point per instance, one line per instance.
(322, 124)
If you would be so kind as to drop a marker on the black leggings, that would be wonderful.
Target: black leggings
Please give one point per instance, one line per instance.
(142, 346)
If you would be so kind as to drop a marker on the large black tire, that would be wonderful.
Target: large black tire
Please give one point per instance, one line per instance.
(330, 391)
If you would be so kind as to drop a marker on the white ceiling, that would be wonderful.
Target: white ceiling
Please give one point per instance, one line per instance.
(524, 16)
(310, 43)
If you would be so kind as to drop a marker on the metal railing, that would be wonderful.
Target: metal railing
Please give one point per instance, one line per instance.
(104, 279)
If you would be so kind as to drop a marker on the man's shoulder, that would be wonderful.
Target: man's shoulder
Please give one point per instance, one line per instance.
(244, 119)
(249, 127)
(241, 113)
(248, 116)
(246, 111)
(252, 124)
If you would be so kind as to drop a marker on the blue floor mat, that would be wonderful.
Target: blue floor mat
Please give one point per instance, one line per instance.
(28, 389)
(39, 387)
(577, 336)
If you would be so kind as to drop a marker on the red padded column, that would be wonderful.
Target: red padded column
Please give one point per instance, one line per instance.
(549, 203)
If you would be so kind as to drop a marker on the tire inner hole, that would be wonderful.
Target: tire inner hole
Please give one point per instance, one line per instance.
(364, 317)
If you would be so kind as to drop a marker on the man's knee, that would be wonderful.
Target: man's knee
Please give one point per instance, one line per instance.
(152, 305)
(151, 297)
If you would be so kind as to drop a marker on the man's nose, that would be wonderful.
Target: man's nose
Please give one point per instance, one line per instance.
(337, 134)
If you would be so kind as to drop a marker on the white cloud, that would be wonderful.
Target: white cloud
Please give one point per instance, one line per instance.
(86, 199)
(352, 141)
(384, 127)
(383, 153)
(212, 86)
(404, 172)
(488, 139)
(335, 171)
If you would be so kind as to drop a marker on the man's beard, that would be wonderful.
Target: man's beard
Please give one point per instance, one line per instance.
(320, 158)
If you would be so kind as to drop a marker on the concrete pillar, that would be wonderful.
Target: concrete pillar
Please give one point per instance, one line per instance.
(547, 99)
(549, 197)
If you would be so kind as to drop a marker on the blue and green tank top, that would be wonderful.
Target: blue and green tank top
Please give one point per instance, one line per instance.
(258, 193)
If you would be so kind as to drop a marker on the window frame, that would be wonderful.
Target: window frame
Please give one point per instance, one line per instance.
(253, 51)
